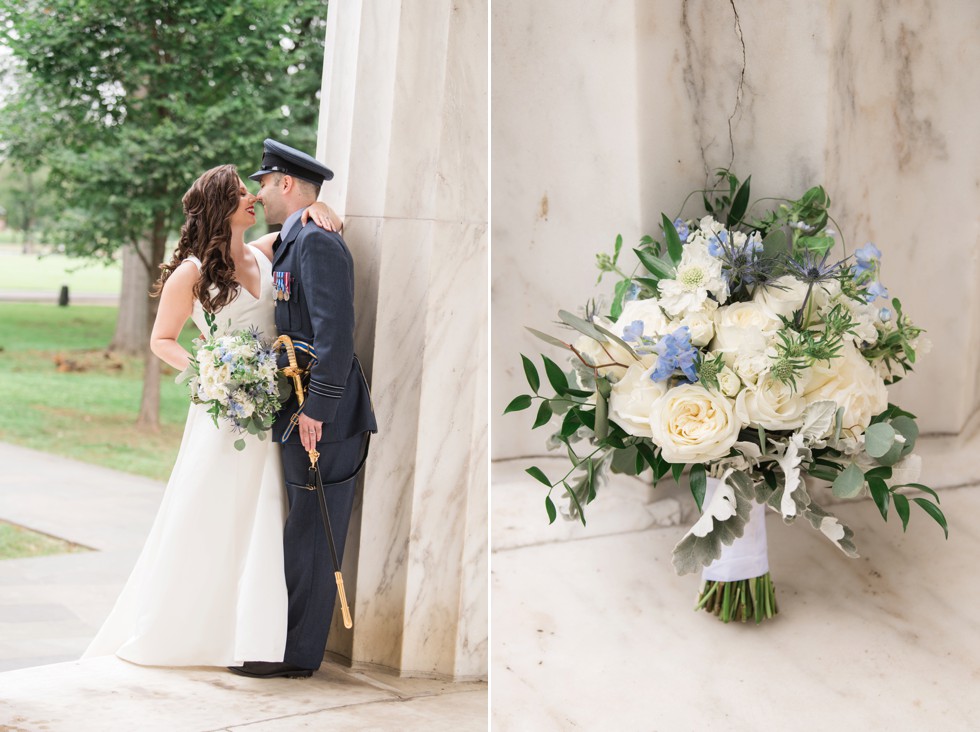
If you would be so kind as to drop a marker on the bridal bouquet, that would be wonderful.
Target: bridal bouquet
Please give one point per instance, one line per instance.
(236, 375)
(742, 351)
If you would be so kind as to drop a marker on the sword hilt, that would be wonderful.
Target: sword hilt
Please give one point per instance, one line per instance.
(344, 609)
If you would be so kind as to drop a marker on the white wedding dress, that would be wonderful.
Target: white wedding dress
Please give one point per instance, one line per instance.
(208, 588)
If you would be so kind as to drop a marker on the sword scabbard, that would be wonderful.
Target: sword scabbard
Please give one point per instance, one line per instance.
(344, 609)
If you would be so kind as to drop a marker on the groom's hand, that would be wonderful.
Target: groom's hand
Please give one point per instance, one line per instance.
(310, 432)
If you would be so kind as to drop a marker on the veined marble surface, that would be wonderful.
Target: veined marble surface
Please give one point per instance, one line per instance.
(595, 631)
(404, 116)
(604, 116)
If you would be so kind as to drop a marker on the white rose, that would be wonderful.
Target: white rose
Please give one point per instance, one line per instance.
(728, 382)
(701, 325)
(783, 296)
(750, 366)
(850, 381)
(771, 404)
(655, 323)
(632, 398)
(745, 327)
(693, 425)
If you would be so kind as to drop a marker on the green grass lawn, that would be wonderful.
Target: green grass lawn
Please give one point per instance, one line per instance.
(49, 272)
(90, 414)
(17, 542)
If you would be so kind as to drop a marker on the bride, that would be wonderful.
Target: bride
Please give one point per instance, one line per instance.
(208, 588)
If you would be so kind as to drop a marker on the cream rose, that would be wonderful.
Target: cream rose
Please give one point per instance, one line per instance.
(693, 425)
(750, 366)
(850, 381)
(632, 398)
(772, 404)
(783, 296)
(701, 325)
(728, 382)
(655, 323)
(745, 327)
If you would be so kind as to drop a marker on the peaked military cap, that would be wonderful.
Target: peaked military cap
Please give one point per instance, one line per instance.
(279, 158)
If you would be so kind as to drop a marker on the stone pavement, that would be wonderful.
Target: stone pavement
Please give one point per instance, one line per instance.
(50, 607)
(592, 629)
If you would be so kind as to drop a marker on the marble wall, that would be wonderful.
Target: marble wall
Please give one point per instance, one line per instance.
(404, 126)
(634, 104)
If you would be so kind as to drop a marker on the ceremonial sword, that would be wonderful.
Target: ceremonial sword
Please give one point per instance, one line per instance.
(314, 482)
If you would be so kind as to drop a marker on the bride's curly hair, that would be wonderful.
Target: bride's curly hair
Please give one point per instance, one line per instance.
(206, 233)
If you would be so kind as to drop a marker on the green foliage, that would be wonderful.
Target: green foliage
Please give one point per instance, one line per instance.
(85, 414)
(128, 102)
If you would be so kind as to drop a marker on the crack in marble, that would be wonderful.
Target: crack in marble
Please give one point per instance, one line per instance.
(741, 84)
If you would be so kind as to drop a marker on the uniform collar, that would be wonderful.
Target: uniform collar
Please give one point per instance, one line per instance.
(291, 226)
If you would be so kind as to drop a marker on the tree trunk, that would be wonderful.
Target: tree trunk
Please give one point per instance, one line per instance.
(149, 417)
(132, 333)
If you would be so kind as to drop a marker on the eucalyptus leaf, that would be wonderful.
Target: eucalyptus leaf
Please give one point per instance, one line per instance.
(239, 444)
(582, 326)
(878, 439)
(849, 483)
(907, 428)
(547, 338)
(601, 417)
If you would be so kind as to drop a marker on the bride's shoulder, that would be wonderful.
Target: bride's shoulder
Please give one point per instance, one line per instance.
(264, 244)
(184, 276)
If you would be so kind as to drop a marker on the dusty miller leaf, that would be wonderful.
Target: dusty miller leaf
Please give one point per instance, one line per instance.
(833, 529)
(722, 522)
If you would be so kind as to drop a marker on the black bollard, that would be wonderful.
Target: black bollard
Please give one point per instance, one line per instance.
(63, 297)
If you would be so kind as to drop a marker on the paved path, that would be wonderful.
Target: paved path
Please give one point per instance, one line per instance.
(50, 608)
(51, 296)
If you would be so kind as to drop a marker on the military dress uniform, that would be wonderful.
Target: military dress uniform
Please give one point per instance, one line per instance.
(313, 274)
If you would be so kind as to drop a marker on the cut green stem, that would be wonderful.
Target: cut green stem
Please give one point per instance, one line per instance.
(753, 598)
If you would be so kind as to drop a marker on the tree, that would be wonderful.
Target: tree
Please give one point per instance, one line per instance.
(128, 102)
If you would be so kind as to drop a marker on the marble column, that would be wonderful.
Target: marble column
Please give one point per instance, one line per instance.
(404, 126)
(872, 100)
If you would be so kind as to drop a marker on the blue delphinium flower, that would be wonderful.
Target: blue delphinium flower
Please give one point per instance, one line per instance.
(866, 258)
(228, 357)
(885, 314)
(682, 231)
(717, 242)
(632, 292)
(676, 352)
(876, 290)
(633, 331)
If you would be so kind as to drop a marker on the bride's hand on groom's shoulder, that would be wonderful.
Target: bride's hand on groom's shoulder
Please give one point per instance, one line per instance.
(323, 216)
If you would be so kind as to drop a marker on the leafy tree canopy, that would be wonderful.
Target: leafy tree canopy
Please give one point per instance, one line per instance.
(127, 102)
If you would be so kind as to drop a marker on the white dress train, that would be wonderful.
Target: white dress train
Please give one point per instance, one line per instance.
(208, 588)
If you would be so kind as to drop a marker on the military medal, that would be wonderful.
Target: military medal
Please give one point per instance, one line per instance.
(286, 286)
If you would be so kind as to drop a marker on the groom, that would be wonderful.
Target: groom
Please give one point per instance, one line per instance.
(313, 276)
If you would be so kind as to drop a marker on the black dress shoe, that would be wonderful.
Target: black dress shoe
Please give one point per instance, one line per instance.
(271, 670)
